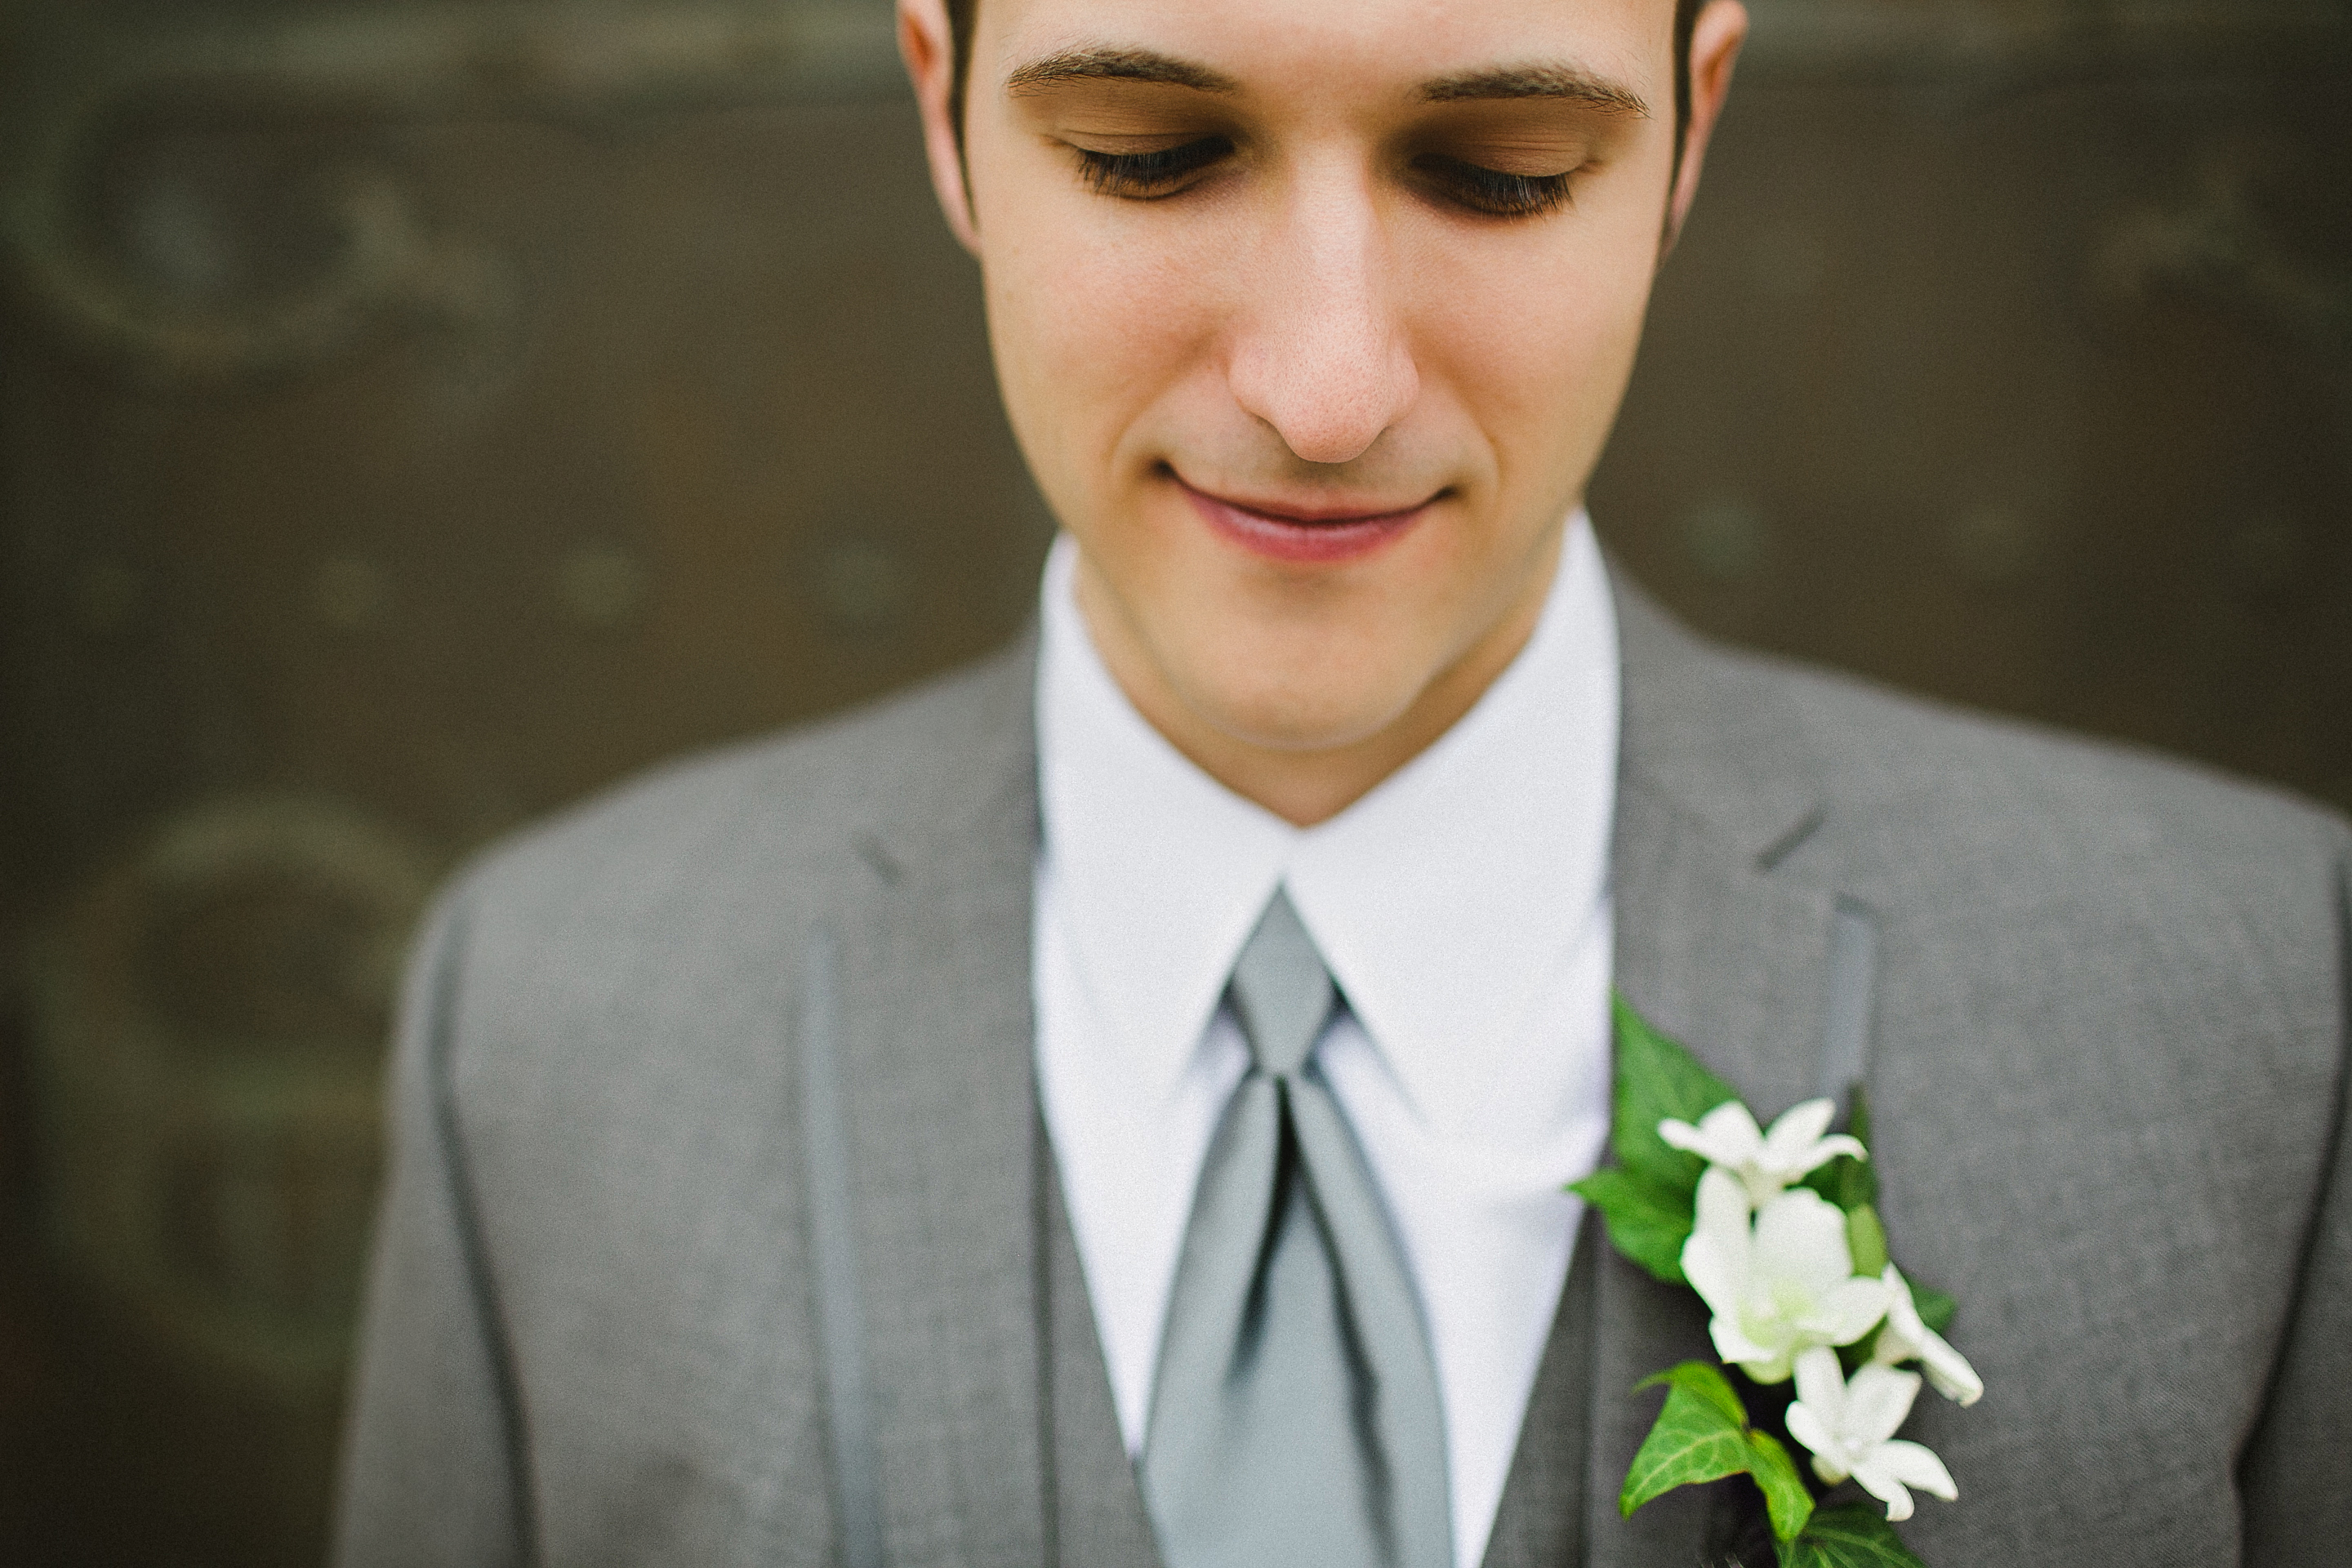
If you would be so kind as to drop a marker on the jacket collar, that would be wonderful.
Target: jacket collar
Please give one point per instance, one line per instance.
(1713, 731)
(932, 924)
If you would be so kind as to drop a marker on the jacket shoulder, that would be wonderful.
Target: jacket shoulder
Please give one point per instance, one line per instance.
(783, 806)
(1989, 781)
(1935, 782)
(2001, 832)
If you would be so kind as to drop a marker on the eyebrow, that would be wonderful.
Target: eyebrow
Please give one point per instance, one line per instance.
(1117, 65)
(1537, 81)
(1149, 66)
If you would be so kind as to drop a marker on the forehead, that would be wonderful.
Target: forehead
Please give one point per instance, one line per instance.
(1307, 49)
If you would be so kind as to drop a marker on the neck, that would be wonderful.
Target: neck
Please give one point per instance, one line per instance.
(1308, 784)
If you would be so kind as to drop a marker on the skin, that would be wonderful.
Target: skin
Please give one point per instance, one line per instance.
(1325, 312)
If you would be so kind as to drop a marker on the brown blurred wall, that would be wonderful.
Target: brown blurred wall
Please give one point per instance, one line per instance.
(413, 417)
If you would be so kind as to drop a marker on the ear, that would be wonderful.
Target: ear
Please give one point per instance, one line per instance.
(929, 50)
(1716, 37)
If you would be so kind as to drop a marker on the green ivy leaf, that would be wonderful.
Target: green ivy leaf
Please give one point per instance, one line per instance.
(1646, 1223)
(1700, 1436)
(1786, 1496)
(1705, 1380)
(1703, 1435)
(1657, 1079)
(1856, 1536)
(1866, 1238)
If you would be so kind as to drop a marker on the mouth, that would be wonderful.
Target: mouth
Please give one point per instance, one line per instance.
(1303, 535)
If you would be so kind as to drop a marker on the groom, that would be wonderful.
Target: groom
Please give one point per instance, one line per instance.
(1114, 1105)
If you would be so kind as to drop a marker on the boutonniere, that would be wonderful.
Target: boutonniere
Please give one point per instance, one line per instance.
(1779, 1234)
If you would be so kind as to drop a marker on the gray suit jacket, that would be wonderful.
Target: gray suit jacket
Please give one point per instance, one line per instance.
(721, 1229)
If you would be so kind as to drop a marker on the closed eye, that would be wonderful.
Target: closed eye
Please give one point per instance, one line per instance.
(1492, 192)
(1148, 176)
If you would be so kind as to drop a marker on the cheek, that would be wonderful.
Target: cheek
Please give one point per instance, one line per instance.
(1536, 335)
(1092, 319)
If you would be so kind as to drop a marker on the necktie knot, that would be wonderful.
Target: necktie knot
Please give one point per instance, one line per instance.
(1281, 991)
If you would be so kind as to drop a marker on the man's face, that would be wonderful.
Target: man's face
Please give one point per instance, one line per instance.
(1312, 317)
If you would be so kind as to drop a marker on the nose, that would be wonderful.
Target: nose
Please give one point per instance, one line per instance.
(1320, 353)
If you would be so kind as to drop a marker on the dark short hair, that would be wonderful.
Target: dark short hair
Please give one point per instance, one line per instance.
(961, 12)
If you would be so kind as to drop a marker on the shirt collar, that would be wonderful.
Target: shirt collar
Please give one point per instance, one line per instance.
(1442, 900)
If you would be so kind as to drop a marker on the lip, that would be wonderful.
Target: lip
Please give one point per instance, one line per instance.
(1303, 534)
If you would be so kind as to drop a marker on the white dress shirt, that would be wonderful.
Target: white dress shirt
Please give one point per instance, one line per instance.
(1462, 906)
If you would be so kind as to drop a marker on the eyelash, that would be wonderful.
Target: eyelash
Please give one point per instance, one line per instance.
(1148, 176)
(1495, 193)
(1153, 176)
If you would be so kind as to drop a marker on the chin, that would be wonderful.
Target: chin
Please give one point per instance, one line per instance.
(1306, 711)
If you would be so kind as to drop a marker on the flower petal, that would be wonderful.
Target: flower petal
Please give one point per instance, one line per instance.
(1684, 1136)
(1947, 1368)
(1716, 1257)
(1721, 1203)
(1877, 1402)
(1737, 1348)
(1823, 1153)
(1796, 1131)
(1848, 1311)
(1949, 1371)
(1810, 1430)
(1820, 1386)
(1801, 1238)
(1733, 1123)
(1886, 1488)
(1898, 1342)
(1723, 1136)
(1916, 1465)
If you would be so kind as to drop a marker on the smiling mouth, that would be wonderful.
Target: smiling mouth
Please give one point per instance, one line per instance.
(1301, 535)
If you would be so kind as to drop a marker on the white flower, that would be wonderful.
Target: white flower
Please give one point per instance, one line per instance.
(1781, 1285)
(1850, 1427)
(1905, 1338)
(1765, 1161)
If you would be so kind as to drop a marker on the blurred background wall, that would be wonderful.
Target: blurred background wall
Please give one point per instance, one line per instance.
(414, 416)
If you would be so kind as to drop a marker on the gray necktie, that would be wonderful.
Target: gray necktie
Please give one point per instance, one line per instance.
(1295, 1419)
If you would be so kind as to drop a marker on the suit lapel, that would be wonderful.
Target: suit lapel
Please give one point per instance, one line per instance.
(1721, 952)
(935, 1029)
